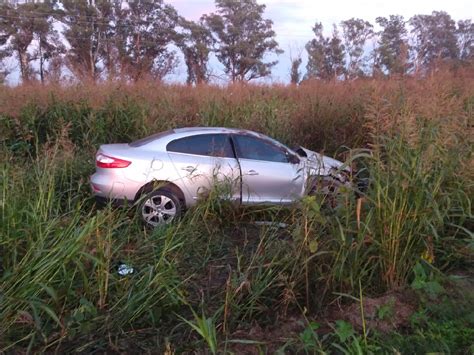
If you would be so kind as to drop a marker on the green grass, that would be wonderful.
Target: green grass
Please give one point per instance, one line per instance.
(216, 280)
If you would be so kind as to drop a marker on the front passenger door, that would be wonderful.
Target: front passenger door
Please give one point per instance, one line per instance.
(267, 174)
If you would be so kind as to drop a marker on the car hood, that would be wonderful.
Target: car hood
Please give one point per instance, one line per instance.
(318, 164)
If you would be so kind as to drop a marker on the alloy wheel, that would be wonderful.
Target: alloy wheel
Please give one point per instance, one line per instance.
(158, 210)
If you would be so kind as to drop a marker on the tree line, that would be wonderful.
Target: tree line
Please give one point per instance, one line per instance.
(94, 40)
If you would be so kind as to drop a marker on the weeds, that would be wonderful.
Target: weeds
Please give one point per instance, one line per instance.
(60, 289)
(206, 328)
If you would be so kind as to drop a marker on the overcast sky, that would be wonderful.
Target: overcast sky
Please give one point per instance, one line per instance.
(293, 20)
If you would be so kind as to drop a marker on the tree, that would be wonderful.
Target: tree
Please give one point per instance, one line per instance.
(4, 71)
(5, 33)
(296, 61)
(356, 32)
(195, 41)
(435, 38)
(48, 49)
(244, 37)
(325, 55)
(392, 53)
(21, 26)
(145, 29)
(465, 39)
(295, 75)
(87, 23)
(18, 33)
(108, 50)
(316, 49)
(335, 55)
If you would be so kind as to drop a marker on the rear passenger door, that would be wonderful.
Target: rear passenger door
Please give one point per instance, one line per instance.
(268, 176)
(203, 160)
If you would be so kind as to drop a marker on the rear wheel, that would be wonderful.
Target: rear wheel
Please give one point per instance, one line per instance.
(160, 207)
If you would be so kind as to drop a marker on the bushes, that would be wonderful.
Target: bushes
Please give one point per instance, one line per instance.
(323, 117)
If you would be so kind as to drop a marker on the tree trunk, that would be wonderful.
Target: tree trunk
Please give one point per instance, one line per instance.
(41, 62)
(24, 66)
(91, 65)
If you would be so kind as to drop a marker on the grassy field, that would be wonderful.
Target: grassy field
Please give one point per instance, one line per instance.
(390, 272)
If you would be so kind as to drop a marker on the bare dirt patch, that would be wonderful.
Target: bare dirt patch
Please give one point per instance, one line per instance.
(385, 314)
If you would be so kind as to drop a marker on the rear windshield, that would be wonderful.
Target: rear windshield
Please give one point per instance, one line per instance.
(149, 139)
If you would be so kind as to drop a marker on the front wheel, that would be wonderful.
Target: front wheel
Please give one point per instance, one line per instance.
(328, 188)
(160, 207)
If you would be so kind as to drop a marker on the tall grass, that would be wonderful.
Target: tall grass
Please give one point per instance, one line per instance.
(59, 285)
(59, 260)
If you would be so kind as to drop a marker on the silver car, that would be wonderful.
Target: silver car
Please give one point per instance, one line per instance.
(169, 171)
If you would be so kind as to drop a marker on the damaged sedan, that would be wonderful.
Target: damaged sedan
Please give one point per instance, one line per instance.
(168, 172)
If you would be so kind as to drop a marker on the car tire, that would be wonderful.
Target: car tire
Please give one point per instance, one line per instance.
(160, 207)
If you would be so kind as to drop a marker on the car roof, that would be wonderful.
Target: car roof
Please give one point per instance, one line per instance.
(211, 130)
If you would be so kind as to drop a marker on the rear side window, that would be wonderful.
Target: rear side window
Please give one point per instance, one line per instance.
(214, 145)
(249, 147)
(149, 139)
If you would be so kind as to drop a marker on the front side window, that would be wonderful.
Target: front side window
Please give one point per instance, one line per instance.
(214, 145)
(249, 147)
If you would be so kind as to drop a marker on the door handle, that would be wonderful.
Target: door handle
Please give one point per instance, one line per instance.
(252, 172)
(189, 169)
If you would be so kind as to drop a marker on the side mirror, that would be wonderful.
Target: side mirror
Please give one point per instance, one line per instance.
(298, 150)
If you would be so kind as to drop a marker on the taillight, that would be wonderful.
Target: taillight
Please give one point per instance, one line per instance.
(104, 161)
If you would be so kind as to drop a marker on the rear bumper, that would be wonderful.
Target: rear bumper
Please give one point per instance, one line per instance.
(112, 185)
